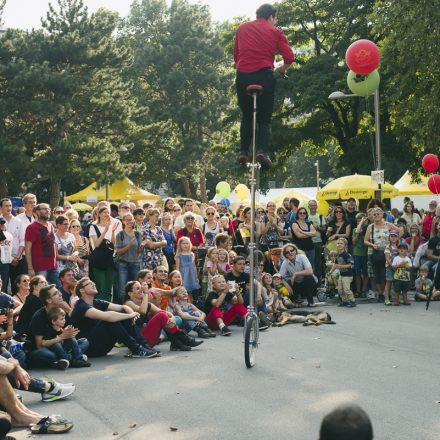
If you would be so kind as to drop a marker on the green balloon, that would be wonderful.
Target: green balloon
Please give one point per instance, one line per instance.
(223, 190)
(363, 85)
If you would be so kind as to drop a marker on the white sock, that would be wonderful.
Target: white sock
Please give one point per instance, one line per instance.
(221, 325)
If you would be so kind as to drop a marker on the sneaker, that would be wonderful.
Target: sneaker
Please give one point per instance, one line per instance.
(85, 358)
(371, 296)
(79, 363)
(59, 391)
(119, 344)
(225, 331)
(262, 327)
(243, 158)
(387, 302)
(342, 304)
(61, 364)
(264, 159)
(350, 304)
(142, 352)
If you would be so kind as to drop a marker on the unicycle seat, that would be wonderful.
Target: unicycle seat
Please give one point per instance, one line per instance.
(254, 89)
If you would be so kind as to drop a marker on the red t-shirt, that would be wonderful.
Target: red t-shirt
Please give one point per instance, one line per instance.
(195, 237)
(256, 44)
(43, 246)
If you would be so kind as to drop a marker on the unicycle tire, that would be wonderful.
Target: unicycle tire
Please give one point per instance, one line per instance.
(250, 341)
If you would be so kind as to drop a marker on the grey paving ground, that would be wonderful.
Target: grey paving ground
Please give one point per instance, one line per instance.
(384, 358)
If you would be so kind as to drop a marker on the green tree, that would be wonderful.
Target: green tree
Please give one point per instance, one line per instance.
(181, 77)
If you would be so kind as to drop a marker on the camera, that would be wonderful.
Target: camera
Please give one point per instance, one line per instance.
(4, 311)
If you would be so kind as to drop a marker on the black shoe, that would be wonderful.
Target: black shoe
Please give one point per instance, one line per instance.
(187, 340)
(243, 158)
(264, 159)
(61, 364)
(225, 331)
(142, 352)
(79, 363)
(201, 333)
(381, 298)
(211, 334)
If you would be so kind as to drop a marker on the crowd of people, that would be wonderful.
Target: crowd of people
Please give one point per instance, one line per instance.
(136, 276)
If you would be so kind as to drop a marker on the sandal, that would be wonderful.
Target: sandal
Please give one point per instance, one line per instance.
(51, 425)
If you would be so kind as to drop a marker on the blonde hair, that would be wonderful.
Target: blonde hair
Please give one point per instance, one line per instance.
(344, 240)
(71, 214)
(179, 245)
(226, 252)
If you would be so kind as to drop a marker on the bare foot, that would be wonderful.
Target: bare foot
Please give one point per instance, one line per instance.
(24, 419)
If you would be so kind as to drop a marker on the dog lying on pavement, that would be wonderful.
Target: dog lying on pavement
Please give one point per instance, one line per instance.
(304, 317)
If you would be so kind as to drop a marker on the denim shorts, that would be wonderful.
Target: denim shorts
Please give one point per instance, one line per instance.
(389, 274)
(360, 265)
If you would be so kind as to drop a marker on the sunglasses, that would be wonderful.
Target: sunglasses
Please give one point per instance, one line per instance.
(58, 212)
(189, 218)
(339, 212)
(210, 213)
(290, 251)
(302, 213)
(74, 226)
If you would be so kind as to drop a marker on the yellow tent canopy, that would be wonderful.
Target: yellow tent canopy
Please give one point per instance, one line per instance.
(124, 189)
(357, 185)
(407, 187)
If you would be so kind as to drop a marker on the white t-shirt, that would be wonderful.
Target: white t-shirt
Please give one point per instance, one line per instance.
(108, 234)
(6, 249)
(17, 230)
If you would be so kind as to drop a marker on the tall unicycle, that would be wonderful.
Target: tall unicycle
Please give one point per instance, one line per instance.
(251, 331)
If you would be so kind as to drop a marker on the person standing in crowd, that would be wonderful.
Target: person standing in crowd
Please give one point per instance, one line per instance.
(351, 212)
(186, 265)
(6, 258)
(344, 264)
(428, 219)
(302, 233)
(410, 215)
(360, 255)
(402, 275)
(168, 205)
(191, 231)
(256, 44)
(29, 203)
(168, 233)
(211, 228)
(139, 219)
(128, 247)
(67, 255)
(153, 241)
(291, 215)
(271, 229)
(188, 207)
(103, 233)
(318, 222)
(82, 245)
(16, 228)
(338, 227)
(41, 249)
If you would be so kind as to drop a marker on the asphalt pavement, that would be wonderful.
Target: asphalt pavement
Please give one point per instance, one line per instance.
(386, 359)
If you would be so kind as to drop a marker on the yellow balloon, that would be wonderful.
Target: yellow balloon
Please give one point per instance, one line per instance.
(323, 207)
(241, 191)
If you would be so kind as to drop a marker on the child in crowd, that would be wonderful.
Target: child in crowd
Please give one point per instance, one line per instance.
(424, 285)
(331, 274)
(60, 339)
(212, 267)
(344, 263)
(223, 261)
(186, 265)
(282, 292)
(192, 317)
(271, 295)
(402, 275)
(223, 222)
(391, 251)
(360, 255)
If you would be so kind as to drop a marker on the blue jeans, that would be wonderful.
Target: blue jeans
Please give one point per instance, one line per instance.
(52, 276)
(126, 272)
(45, 356)
(70, 348)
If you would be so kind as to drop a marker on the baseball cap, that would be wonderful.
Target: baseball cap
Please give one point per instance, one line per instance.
(393, 232)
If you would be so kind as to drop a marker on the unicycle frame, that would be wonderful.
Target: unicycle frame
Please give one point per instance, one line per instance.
(252, 316)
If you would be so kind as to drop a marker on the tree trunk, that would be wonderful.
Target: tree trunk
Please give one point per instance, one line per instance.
(202, 183)
(55, 191)
(186, 187)
(3, 186)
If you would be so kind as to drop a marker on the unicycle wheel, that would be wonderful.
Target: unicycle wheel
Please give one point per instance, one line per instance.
(250, 341)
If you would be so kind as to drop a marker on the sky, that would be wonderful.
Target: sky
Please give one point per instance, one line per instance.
(26, 14)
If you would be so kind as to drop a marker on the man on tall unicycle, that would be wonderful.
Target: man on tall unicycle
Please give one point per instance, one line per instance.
(256, 44)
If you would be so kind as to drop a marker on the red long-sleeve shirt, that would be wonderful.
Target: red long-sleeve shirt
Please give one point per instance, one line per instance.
(256, 44)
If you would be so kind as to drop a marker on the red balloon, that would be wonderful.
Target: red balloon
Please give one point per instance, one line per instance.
(434, 184)
(430, 163)
(362, 57)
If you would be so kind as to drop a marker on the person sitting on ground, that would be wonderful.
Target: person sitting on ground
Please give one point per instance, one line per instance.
(16, 413)
(297, 274)
(40, 325)
(61, 340)
(223, 306)
(424, 285)
(103, 323)
(154, 320)
(161, 290)
(346, 422)
(22, 284)
(192, 317)
(32, 304)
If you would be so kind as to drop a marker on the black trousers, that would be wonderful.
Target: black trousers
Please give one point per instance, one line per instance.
(306, 289)
(264, 107)
(105, 334)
